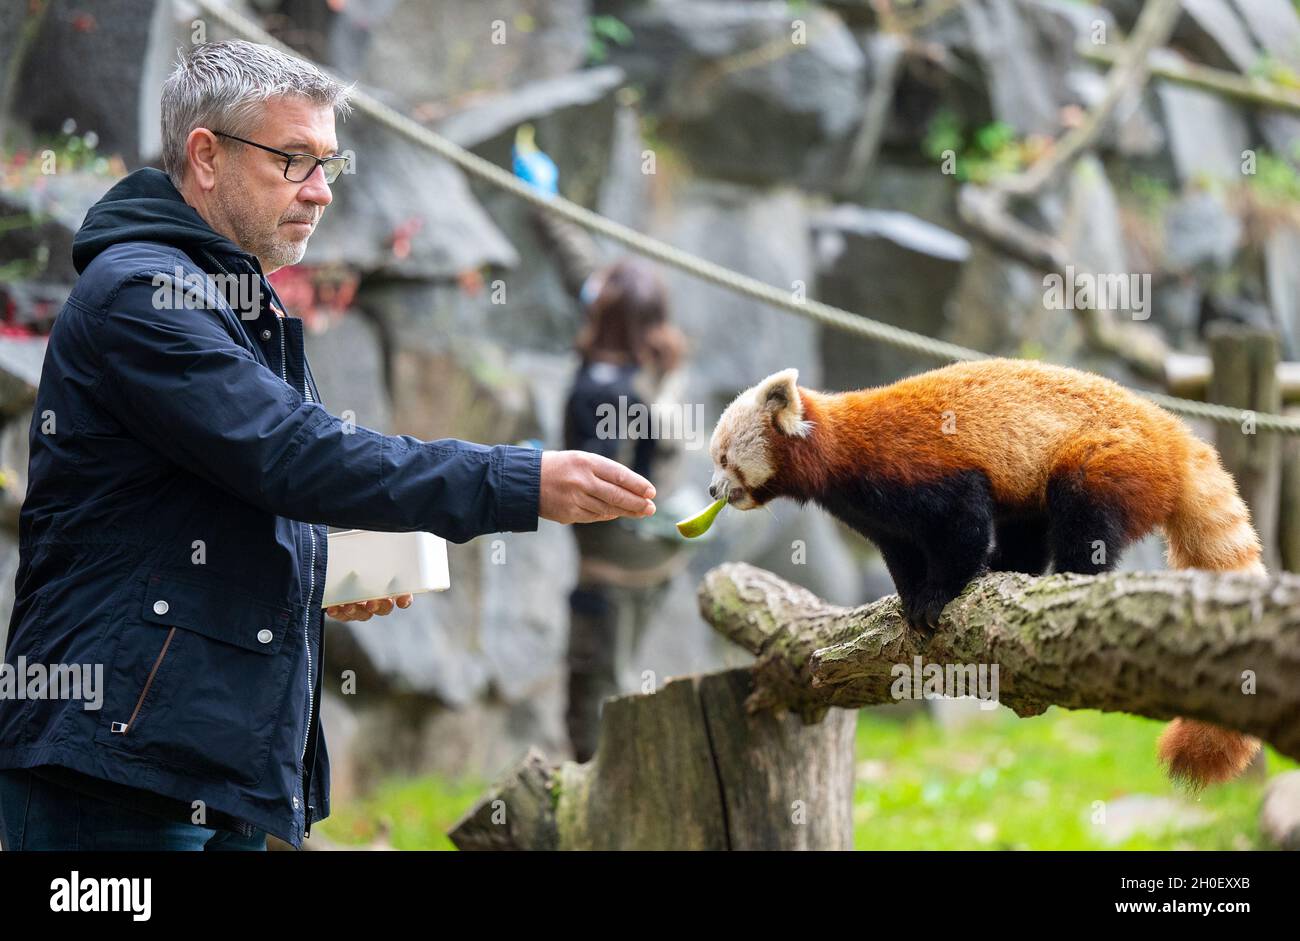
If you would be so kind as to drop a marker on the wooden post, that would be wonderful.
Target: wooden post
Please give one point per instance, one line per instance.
(1288, 520)
(1245, 376)
(683, 768)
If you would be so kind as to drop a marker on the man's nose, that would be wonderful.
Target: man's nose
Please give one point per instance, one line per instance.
(316, 190)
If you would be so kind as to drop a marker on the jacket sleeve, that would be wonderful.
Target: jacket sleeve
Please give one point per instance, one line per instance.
(177, 381)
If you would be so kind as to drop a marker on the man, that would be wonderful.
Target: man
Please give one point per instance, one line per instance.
(183, 473)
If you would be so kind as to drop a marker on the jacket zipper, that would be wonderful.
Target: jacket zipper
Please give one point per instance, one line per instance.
(311, 582)
(120, 728)
(311, 590)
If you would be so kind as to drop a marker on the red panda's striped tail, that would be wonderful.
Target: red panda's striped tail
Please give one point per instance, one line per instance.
(1197, 754)
(1209, 529)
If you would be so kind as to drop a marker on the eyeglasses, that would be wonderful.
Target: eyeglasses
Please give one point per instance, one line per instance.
(299, 167)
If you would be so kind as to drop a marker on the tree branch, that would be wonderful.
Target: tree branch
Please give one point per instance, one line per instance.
(986, 211)
(1126, 78)
(1254, 91)
(1157, 644)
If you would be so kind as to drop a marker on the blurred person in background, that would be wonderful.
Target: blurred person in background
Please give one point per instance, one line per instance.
(631, 357)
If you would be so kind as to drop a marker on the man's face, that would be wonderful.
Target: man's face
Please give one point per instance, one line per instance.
(269, 216)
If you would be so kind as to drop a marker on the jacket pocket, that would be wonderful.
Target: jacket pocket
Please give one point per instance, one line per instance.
(199, 679)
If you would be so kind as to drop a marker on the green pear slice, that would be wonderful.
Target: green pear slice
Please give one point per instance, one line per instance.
(699, 524)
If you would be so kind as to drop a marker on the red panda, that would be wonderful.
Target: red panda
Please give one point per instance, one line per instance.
(997, 465)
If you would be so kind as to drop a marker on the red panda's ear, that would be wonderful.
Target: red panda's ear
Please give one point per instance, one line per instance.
(779, 397)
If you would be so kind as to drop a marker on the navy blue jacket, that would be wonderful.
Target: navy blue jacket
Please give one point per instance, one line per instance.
(183, 472)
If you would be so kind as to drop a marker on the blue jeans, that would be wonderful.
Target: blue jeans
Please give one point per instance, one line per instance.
(36, 814)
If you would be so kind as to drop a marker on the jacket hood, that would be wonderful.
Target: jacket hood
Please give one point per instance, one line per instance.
(144, 206)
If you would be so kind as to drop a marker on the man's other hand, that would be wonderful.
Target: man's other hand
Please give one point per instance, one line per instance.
(580, 487)
(365, 610)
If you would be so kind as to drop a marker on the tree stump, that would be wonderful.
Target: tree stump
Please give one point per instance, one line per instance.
(683, 768)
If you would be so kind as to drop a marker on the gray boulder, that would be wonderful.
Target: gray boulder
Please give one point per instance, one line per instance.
(1279, 817)
(349, 363)
(889, 266)
(1091, 229)
(750, 91)
(1282, 275)
(735, 341)
(913, 188)
(997, 307)
(1201, 233)
(1216, 33)
(1022, 48)
(86, 63)
(400, 189)
(1206, 134)
(54, 206)
(434, 51)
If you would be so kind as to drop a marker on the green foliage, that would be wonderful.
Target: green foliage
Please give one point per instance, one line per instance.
(1275, 178)
(1152, 193)
(603, 30)
(1031, 349)
(1276, 72)
(978, 154)
(65, 152)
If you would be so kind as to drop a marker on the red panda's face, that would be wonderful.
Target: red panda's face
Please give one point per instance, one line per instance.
(742, 446)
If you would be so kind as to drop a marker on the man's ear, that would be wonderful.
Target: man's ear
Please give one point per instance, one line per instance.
(778, 396)
(201, 152)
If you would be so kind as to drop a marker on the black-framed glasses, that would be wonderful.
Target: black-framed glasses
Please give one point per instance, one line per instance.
(299, 167)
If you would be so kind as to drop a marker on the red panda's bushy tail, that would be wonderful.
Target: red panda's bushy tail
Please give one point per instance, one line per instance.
(1209, 528)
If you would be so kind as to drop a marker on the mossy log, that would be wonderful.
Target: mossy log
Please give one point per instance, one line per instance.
(1222, 647)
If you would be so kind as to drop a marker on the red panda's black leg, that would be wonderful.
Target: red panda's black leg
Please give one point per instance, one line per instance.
(956, 538)
(1086, 534)
(906, 564)
(1021, 545)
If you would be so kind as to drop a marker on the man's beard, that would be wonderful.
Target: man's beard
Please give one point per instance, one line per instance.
(251, 234)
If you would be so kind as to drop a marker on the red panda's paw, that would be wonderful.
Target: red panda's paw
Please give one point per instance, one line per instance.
(923, 610)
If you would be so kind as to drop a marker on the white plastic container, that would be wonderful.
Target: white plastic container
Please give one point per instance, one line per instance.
(364, 565)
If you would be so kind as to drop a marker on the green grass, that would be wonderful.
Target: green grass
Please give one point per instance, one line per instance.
(416, 812)
(1002, 783)
(1010, 783)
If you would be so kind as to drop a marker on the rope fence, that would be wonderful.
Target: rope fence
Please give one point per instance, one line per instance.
(825, 314)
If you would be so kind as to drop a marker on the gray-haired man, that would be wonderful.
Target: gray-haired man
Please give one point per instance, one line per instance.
(175, 520)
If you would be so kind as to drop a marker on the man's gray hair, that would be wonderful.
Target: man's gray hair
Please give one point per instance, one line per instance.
(223, 86)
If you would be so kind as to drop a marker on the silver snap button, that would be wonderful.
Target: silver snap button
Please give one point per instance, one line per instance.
(264, 636)
(161, 607)
(295, 803)
(266, 334)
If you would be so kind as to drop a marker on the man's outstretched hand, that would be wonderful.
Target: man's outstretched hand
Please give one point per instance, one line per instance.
(577, 487)
(580, 487)
(365, 610)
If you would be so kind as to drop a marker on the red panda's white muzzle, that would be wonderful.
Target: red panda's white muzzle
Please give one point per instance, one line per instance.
(722, 487)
